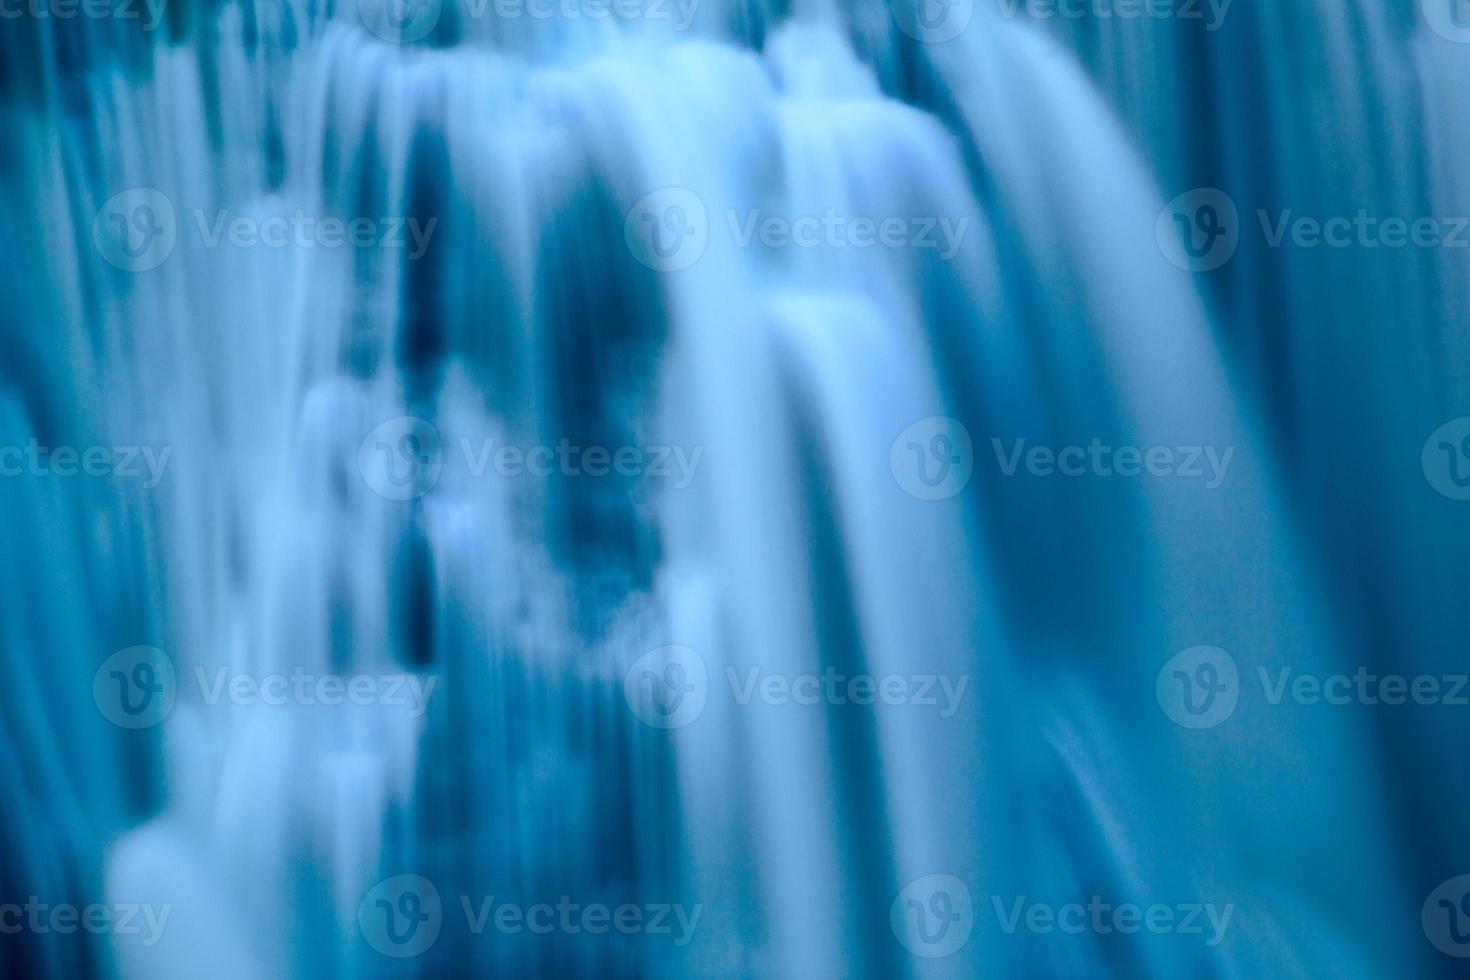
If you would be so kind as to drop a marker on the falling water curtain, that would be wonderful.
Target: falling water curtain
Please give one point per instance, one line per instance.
(734, 488)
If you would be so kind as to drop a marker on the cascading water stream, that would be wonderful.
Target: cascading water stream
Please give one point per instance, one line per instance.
(522, 301)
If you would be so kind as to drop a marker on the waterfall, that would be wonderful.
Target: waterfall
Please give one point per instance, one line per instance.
(509, 405)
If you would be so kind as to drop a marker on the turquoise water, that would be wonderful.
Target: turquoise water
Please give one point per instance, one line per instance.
(693, 487)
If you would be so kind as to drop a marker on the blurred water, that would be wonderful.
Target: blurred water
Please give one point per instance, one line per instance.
(564, 246)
